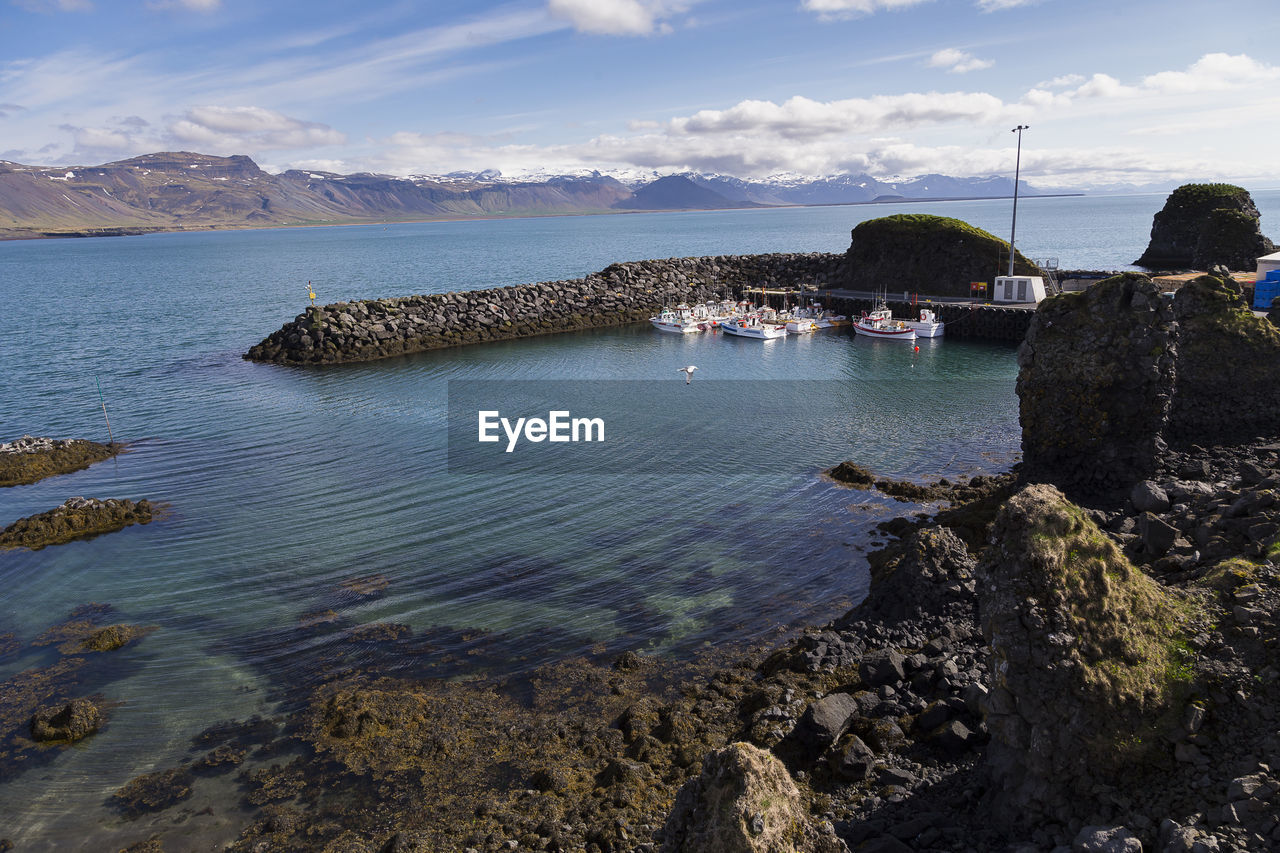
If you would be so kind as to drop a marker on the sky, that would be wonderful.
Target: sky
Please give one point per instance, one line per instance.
(1115, 94)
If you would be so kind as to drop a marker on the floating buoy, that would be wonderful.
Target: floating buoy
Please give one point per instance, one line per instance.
(917, 348)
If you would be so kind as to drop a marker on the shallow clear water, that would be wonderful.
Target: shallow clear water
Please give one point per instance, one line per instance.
(282, 484)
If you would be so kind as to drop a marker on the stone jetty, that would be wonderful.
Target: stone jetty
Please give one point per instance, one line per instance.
(621, 293)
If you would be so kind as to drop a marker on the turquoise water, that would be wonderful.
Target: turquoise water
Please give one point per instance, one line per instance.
(282, 484)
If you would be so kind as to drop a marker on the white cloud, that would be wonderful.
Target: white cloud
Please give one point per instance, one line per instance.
(1214, 72)
(852, 8)
(616, 17)
(803, 118)
(54, 5)
(958, 61)
(193, 5)
(240, 129)
(999, 5)
(1062, 82)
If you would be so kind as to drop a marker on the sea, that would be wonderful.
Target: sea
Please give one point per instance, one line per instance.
(300, 505)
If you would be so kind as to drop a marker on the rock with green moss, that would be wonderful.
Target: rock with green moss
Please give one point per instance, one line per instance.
(1090, 668)
(1206, 224)
(928, 254)
(30, 459)
(744, 801)
(77, 518)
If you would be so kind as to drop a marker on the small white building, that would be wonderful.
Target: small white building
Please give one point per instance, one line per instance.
(1018, 288)
(1266, 264)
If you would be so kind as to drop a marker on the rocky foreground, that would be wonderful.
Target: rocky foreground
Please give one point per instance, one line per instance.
(31, 459)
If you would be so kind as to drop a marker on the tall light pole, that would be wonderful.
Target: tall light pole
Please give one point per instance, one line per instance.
(1017, 169)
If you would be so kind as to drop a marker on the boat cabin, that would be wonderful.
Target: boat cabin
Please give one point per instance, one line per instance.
(1018, 288)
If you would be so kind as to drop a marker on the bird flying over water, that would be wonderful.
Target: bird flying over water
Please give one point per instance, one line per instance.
(688, 373)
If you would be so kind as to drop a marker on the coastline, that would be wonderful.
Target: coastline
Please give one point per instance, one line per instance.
(21, 233)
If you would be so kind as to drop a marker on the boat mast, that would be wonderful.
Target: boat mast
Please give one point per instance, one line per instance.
(1017, 168)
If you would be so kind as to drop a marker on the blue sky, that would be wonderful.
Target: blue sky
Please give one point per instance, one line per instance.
(1116, 92)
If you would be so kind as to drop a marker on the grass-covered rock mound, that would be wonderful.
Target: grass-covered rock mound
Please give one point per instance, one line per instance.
(1090, 661)
(1206, 224)
(926, 254)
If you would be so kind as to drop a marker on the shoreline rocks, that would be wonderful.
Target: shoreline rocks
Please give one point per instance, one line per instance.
(76, 518)
(1112, 378)
(30, 459)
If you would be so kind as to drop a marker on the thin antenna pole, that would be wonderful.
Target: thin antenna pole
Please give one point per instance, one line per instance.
(111, 437)
(1017, 169)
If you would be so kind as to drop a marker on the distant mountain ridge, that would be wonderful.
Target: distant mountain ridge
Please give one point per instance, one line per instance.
(181, 190)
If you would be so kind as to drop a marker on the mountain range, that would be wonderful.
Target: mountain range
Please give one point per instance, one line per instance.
(182, 190)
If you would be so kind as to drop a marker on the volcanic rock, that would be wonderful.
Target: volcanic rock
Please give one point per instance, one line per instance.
(1205, 224)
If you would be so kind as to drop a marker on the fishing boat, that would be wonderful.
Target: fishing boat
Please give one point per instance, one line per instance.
(750, 326)
(928, 326)
(679, 320)
(880, 324)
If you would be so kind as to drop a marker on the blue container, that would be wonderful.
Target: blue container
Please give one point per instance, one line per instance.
(1272, 275)
(1263, 296)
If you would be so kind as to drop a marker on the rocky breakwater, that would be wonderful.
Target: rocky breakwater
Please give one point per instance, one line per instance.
(30, 459)
(1112, 377)
(76, 518)
(621, 293)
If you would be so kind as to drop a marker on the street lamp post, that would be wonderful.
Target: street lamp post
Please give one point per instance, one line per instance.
(1017, 169)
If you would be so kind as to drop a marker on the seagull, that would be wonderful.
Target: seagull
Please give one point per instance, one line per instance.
(688, 373)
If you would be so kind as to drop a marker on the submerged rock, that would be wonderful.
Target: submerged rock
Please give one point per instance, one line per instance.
(31, 459)
(743, 802)
(77, 518)
(73, 721)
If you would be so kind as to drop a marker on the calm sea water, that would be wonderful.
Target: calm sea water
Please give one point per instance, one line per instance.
(302, 503)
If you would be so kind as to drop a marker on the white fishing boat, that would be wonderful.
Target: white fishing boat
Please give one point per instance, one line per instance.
(750, 326)
(801, 326)
(928, 326)
(679, 321)
(880, 324)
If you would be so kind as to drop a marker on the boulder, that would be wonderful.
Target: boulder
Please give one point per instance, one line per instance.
(824, 721)
(1106, 839)
(744, 801)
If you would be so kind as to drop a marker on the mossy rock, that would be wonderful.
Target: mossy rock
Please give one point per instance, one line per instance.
(919, 252)
(49, 457)
(1189, 229)
(77, 518)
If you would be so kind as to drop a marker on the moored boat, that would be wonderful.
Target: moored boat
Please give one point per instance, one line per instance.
(928, 326)
(880, 324)
(751, 327)
(680, 321)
